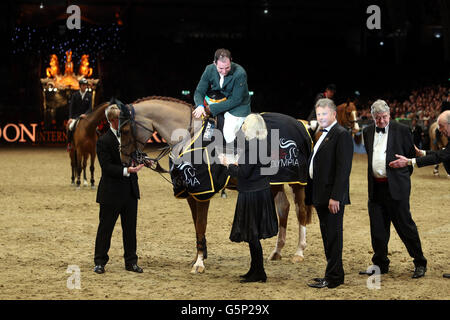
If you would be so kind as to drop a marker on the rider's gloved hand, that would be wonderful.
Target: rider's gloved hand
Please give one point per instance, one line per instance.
(199, 111)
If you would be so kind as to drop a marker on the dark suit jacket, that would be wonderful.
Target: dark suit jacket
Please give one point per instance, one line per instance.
(332, 167)
(435, 157)
(400, 141)
(234, 87)
(78, 106)
(114, 188)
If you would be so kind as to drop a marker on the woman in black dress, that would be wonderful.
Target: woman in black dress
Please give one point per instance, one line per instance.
(255, 216)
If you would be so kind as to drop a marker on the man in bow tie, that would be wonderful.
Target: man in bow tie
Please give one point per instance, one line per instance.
(328, 187)
(389, 189)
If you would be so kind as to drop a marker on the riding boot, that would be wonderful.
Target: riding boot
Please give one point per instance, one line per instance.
(69, 139)
(258, 274)
(252, 263)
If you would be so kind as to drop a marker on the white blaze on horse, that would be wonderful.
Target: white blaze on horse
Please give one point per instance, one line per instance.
(171, 118)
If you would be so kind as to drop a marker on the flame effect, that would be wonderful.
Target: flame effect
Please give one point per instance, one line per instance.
(69, 80)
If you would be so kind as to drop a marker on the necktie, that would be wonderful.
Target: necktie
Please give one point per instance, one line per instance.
(221, 81)
(323, 130)
(380, 130)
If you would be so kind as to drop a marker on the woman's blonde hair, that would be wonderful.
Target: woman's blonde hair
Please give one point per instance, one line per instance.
(254, 126)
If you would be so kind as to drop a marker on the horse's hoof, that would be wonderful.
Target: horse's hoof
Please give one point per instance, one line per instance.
(274, 256)
(93, 187)
(224, 195)
(197, 269)
(297, 259)
(435, 172)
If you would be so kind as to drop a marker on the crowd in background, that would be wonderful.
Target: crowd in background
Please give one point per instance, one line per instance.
(423, 104)
(418, 110)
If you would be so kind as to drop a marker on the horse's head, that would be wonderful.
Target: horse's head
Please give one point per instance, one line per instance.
(347, 116)
(133, 135)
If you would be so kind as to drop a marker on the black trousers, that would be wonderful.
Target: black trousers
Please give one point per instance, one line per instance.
(108, 217)
(382, 211)
(331, 228)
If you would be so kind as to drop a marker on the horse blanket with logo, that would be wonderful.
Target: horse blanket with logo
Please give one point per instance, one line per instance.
(203, 179)
(295, 146)
(199, 176)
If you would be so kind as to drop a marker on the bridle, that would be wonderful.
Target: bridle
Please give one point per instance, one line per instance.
(128, 115)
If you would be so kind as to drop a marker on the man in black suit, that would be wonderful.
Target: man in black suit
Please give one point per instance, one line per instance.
(389, 189)
(118, 193)
(426, 158)
(80, 104)
(328, 188)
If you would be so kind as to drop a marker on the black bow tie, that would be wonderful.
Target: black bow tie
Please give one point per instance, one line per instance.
(323, 130)
(380, 130)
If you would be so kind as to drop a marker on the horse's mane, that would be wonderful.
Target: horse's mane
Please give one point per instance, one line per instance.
(164, 99)
(100, 105)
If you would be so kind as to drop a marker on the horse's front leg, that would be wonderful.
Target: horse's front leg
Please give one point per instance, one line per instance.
(73, 166)
(85, 183)
(282, 206)
(92, 168)
(304, 217)
(200, 217)
(79, 169)
(436, 170)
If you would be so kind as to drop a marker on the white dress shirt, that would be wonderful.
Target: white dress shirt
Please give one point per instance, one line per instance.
(316, 147)
(83, 94)
(379, 153)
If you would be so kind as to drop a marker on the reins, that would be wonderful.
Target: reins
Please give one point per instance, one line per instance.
(128, 114)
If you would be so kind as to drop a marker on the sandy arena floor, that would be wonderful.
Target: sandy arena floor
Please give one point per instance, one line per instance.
(47, 226)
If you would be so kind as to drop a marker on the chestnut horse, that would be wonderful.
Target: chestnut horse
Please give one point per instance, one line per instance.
(166, 116)
(84, 143)
(437, 144)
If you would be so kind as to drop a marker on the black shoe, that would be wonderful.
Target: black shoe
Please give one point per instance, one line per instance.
(134, 268)
(248, 274)
(446, 275)
(419, 272)
(318, 279)
(255, 277)
(324, 283)
(99, 269)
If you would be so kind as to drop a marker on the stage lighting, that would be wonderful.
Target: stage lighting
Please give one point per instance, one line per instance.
(41, 6)
(381, 43)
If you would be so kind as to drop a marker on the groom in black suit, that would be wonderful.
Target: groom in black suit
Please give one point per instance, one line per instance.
(328, 188)
(118, 193)
(389, 188)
